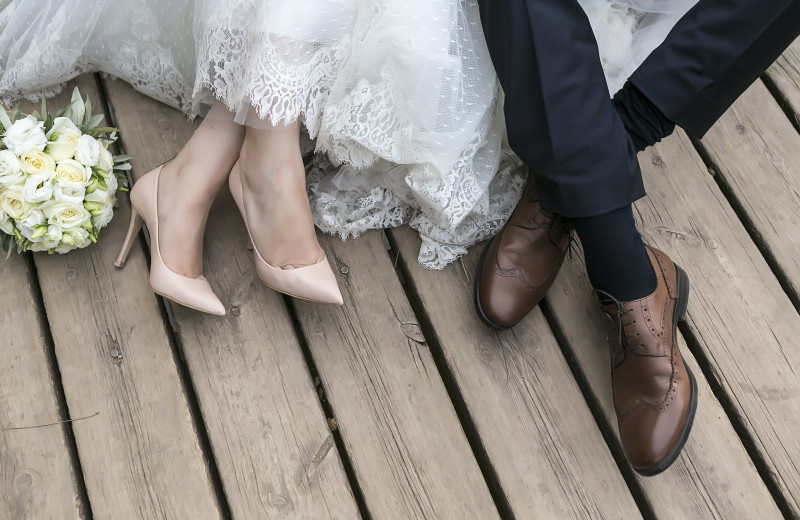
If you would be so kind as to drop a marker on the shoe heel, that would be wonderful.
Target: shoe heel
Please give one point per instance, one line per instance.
(133, 230)
(682, 304)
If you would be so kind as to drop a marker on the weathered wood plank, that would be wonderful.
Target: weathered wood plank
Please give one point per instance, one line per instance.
(542, 440)
(714, 476)
(36, 474)
(756, 151)
(785, 75)
(407, 446)
(141, 456)
(745, 325)
(270, 437)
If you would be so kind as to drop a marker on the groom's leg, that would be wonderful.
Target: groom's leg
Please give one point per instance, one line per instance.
(562, 123)
(558, 114)
(712, 55)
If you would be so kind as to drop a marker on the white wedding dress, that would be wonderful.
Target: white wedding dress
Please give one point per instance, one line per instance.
(399, 95)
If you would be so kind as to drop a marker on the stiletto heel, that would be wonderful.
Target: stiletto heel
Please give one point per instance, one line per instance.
(195, 293)
(136, 224)
(313, 282)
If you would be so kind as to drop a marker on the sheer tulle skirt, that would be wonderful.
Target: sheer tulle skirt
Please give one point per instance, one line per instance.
(399, 96)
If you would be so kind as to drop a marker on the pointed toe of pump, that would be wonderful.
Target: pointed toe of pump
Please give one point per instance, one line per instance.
(315, 282)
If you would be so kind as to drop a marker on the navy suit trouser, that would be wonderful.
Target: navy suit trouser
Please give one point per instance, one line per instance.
(558, 112)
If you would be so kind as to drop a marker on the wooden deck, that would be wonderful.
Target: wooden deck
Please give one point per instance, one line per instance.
(400, 404)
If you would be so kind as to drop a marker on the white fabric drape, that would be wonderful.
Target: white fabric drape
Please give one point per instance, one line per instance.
(400, 95)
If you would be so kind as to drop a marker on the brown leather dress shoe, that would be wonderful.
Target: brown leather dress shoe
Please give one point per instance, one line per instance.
(520, 264)
(655, 394)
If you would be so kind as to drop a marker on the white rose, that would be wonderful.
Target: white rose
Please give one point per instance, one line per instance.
(73, 173)
(104, 217)
(63, 125)
(88, 152)
(38, 188)
(64, 146)
(69, 193)
(27, 226)
(24, 135)
(112, 183)
(73, 239)
(106, 160)
(52, 238)
(10, 168)
(35, 162)
(38, 247)
(12, 203)
(6, 226)
(99, 196)
(66, 215)
(66, 139)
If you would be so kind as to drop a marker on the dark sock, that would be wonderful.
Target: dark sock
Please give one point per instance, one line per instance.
(616, 259)
(645, 123)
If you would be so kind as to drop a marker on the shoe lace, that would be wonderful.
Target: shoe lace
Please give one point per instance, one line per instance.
(619, 347)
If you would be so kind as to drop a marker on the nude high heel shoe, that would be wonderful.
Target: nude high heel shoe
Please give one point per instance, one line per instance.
(194, 293)
(312, 282)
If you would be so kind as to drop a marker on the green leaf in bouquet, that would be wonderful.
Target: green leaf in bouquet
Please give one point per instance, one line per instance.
(44, 104)
(38, 116)
(15, 113)
(122, 158)
(5, 121)
(77, 107)
(87, 115)
(95, 120)
(104, 129)
(48, 123)
(6, 244)
(123, 167)
(101, 183)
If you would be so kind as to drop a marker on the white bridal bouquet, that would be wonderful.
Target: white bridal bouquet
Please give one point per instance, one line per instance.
(58, 181)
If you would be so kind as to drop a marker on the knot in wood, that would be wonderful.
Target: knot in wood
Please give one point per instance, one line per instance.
(657, 160)
(413, 332)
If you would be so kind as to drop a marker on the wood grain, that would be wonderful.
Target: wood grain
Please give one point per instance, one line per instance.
(744, 323)
(408, 449)
(538, 432)
(714, 476)
(754, 149)
(141, 455)
(270, 438)
(36, 474)
(785, 75)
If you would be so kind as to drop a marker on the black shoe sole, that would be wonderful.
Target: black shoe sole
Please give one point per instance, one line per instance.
(476, 292)
(680, 315)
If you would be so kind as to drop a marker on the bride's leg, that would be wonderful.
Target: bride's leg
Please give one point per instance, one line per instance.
(188, 185)
(273, 178)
